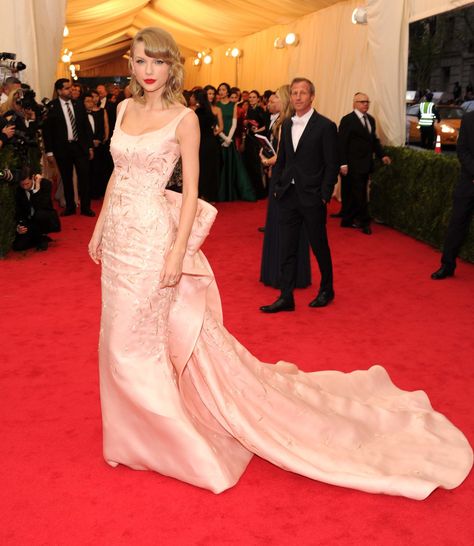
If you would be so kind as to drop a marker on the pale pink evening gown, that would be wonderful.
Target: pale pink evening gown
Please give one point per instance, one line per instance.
(182, 397)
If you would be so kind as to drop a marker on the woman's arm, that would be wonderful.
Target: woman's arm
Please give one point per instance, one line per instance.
(106, 125)
(188, 136)
(270, 161)
(220, 120)
(95, 250)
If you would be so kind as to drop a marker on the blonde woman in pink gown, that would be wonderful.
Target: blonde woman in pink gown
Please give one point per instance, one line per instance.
(179, 394)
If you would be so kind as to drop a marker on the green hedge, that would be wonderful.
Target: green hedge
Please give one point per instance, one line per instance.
(414, 195)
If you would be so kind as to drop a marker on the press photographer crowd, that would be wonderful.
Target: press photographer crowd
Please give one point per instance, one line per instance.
(51, 149)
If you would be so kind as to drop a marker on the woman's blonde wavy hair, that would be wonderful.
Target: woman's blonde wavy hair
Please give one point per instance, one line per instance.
(13, 96)
(160, 45)
(286, 108)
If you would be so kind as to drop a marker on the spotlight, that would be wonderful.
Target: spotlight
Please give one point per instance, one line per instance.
(199, 55)
(207, 59)
(359, 16)
(236, 52)
(65, 58)
(228, 52)
(292, 39)
(279, 43)
(65, 32)
(196, 61)
(72, 68)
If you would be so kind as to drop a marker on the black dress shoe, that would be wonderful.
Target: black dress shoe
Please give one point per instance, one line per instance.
(366, 230)
(88, 212)
(348, 224)
(279, 305)
(42, 245)
(68, 212)
(322, 299)
(442, 273)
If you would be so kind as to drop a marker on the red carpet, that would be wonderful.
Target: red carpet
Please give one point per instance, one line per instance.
(55, 487)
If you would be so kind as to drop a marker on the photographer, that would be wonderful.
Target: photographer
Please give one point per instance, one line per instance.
(11, 84)
(19, 112)
(35, 214)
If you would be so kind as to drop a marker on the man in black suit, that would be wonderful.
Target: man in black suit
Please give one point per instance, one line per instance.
(67, 138)
(304, 176)
(35, 214)
(358, 142)
(463, 200)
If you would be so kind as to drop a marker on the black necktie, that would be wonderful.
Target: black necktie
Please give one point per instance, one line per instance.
(366, 123)
(72, 119)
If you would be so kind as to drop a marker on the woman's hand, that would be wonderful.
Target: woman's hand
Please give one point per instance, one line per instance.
(172, 269)
(95, 247)
(8, 131)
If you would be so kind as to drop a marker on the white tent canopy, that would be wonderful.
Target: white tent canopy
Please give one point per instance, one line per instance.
(339, 57)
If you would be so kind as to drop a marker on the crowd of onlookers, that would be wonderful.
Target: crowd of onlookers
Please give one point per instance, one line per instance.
(37, 176)
(235, 161)
(233, 151)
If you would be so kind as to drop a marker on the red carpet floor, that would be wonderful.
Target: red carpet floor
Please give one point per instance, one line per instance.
(55, 487)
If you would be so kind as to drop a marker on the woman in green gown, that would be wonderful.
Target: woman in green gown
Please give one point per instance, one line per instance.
(234, 181)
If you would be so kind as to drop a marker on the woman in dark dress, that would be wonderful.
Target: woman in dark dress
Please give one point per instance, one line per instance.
(255, 123)
(270, 267)
(209, 148)
(99, 121)
(234, 180)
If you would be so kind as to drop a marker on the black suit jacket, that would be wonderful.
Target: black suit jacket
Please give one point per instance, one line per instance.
(55, 129)
(465, 151)
(314, 165)
(42, 204)
(357, 146)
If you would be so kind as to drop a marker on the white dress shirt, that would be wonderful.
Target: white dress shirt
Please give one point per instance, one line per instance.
(62, 102)
(299, 125)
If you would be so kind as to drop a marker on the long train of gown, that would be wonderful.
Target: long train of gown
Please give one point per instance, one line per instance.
(182, 397)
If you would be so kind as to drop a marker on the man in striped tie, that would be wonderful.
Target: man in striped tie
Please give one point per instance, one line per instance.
(68, 142)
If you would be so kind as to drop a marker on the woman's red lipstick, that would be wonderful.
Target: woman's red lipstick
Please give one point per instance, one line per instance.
(149, 81)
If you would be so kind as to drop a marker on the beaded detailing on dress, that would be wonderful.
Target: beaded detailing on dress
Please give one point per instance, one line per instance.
(181, 396)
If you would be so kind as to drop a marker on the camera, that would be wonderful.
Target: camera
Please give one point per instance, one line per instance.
(7, 60)
(14, 66)
(27, 100)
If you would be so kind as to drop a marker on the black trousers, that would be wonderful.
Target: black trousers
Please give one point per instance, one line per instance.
(427, 137)
(463, 208)
(357, 209)
(292, 215)
(73, 155)
(345, 196)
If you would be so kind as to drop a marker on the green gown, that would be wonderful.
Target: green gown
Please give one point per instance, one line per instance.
(234, 181)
